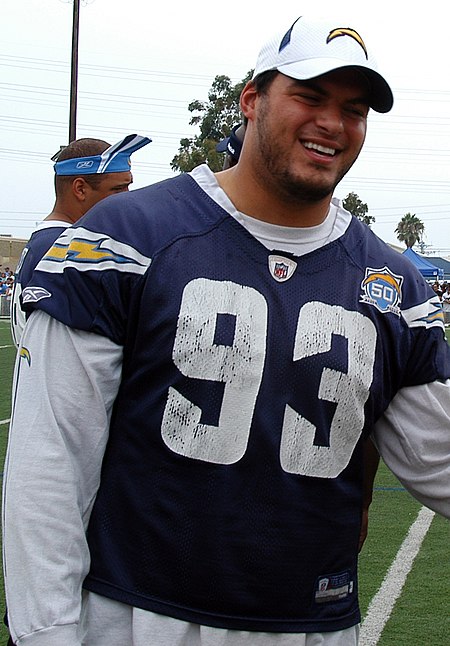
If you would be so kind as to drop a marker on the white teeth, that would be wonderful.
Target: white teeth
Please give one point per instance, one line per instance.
(320, 149)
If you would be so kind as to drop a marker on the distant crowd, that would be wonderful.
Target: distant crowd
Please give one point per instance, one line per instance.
(6, 282)
(443, 291)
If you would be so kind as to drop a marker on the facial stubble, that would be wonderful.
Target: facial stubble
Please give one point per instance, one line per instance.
(273, 169)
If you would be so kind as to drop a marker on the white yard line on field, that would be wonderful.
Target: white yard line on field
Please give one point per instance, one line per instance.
(4, 421)
(383, 602)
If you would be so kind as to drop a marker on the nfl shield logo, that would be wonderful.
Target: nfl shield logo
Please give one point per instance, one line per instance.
(281, 268)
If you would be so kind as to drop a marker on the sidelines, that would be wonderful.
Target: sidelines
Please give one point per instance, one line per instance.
(383, 602)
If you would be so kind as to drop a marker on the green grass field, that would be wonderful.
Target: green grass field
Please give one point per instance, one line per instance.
(421, 616)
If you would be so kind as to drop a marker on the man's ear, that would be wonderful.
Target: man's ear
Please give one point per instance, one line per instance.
(79, 188)
(248, 100)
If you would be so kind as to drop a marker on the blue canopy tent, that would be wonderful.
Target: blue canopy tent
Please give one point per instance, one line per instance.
(426, 268)
(442, 264)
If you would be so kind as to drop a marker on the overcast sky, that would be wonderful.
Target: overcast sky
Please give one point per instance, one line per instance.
(141, 63)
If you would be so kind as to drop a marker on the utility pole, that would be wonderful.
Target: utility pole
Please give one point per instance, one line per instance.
(74, 72)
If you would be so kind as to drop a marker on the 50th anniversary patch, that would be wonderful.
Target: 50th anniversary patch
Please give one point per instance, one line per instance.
(382, 289)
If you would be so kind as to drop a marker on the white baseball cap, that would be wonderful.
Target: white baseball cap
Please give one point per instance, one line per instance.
(314, 46)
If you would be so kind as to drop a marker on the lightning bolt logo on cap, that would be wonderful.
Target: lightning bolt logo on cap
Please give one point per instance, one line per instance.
(347, 31)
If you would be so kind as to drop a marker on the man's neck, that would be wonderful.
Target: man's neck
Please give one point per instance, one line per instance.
(62, 214)
(267, 206)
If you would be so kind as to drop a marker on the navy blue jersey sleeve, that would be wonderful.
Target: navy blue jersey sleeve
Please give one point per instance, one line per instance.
(39, 243)
(408, 312)
(429, 360)
(85, 281)
(89, 276)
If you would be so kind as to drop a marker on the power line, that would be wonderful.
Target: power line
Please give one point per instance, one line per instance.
(424, 206)
(102, 96)
(25, 62)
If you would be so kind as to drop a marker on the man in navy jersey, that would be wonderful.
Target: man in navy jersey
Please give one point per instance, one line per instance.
(79, 184)
(204, 362)
(232, 146)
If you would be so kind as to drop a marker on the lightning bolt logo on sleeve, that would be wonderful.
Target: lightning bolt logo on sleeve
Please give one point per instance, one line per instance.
(89, 251)
(428, 314)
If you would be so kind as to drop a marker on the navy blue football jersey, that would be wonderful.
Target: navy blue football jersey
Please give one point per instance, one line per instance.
(231, 487)
(40, 241)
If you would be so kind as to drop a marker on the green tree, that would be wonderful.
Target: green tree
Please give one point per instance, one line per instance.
(215, 117)
(410, 229)
(358, 208)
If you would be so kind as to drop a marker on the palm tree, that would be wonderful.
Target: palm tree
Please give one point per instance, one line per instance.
(410, 229)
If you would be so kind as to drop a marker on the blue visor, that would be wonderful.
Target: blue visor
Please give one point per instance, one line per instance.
(115, 159)
(231, 145)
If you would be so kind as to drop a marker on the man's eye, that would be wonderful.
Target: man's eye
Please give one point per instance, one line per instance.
(311, 98)
(357, 111)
